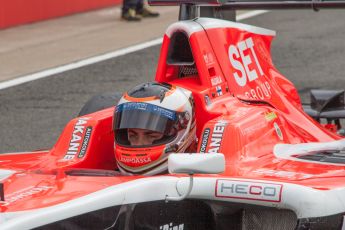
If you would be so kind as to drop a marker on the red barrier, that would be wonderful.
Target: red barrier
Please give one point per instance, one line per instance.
(16, 12)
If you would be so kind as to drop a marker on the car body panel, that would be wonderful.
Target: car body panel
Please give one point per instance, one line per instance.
(244, 109)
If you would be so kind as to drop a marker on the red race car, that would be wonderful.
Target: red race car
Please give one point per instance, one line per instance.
(261, 161)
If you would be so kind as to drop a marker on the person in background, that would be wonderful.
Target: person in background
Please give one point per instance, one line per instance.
(134, 10)
(151, 121)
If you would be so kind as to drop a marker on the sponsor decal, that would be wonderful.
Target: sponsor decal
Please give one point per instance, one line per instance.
(219, 90)
(204, 140)
(244, 60)
(76, 139)
(171, 227)
(135, 160)
(237, 53)
(85, 142)
(217, 136)
(284, 174)
(26, 192)
(216, 80)
(261, 91)
(249, 190)
(278, 131)
(208, 58)
(170, 114)
(270, 116)
(207, 100)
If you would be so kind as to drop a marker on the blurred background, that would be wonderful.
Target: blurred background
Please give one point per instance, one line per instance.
(52, 38)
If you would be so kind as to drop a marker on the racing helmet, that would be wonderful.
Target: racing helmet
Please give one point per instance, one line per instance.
(153, 107)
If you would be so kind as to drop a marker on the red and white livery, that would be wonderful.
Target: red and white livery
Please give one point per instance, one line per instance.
(283, 170)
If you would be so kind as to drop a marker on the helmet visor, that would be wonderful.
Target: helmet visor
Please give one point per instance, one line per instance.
(139, 115)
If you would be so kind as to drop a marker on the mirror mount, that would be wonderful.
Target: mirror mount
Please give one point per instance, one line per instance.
(182, 197)
(194, 163)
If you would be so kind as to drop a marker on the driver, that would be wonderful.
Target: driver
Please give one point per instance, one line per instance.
(151, 121)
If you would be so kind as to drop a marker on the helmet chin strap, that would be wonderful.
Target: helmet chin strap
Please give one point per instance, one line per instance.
(154, 171)
(160, 169)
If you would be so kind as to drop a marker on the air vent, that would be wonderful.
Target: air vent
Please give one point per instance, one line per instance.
(326, 156)
(180, 52)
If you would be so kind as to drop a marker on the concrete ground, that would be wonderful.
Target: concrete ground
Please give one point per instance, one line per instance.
(31, 48)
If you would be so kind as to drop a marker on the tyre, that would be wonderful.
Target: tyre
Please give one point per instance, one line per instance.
(100, 102)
